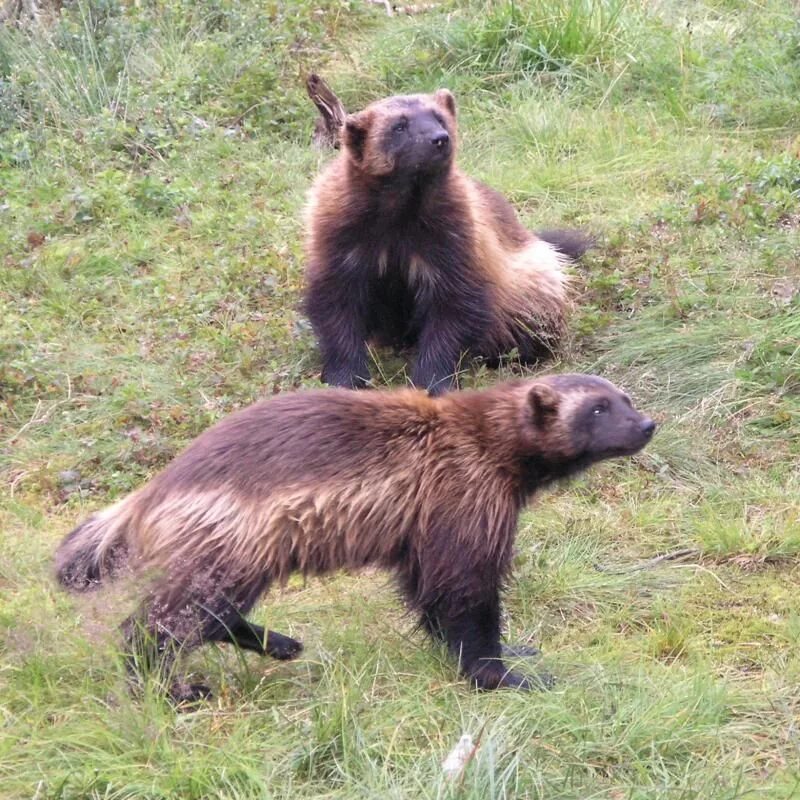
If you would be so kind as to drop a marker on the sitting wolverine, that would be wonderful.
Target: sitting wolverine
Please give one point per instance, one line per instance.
(311, 482)
(404, 249)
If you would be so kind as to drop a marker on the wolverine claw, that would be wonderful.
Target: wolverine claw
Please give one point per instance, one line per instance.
(187, 695)
(513, 680)
(282, 647)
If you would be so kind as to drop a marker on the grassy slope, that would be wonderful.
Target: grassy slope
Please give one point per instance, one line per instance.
(153, 165)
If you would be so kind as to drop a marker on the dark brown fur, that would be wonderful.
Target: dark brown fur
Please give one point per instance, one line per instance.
(429, 488)
(404, 249)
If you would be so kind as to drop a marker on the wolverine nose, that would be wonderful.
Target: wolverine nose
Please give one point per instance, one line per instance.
(648, 427)
(440, 140)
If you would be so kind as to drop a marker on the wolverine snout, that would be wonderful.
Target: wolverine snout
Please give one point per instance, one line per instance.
(648, 427)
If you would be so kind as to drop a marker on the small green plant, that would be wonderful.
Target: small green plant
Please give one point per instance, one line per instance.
(512, 38)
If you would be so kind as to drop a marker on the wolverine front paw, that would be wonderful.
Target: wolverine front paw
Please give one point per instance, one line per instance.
(496, 675)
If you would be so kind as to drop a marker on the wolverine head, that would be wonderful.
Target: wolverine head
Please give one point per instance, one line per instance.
(403, 136)
(577, 420)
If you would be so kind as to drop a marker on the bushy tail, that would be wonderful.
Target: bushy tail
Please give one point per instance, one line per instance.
(572, 243)
(97, 549)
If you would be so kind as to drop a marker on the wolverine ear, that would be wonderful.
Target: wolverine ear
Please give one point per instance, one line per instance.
(543, 402)
(356, 127)
(444, 97)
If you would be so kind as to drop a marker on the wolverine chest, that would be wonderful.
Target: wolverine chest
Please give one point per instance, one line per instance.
(408, 267)
(393, 272)
(395, 289)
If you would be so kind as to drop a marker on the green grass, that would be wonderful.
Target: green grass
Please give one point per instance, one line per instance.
(153, 164)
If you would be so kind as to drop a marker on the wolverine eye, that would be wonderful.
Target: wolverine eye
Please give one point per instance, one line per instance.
(400, 126)
(600, 408)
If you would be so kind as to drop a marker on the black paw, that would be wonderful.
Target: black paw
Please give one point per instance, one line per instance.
(282, 647)
(496, 675)
(513, 680)
(538, 682)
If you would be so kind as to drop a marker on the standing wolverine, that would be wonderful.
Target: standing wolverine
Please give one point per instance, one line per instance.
(405, 249)
(429, 488)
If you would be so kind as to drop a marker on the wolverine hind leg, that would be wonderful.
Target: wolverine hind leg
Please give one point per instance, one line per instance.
(178, 617)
